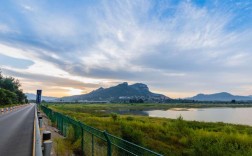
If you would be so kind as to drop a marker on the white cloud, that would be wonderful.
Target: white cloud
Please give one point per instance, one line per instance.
(14, 52)
(27, 7)
(4, 28)
(147, 41)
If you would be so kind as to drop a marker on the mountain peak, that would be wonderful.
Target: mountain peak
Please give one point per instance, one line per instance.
(97, 90)
(224, 93)
(140, 86)
(120, 91)
(101, 88)
(123, 84)
(220, 93)
(222, 96)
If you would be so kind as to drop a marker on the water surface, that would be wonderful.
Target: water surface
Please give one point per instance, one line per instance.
(227, 115)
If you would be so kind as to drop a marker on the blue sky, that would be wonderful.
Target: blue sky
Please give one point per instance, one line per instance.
(178, 48)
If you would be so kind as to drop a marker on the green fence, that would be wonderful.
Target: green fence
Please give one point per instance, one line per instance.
(95, 142)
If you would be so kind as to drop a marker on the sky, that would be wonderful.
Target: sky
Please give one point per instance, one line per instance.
(178, 48)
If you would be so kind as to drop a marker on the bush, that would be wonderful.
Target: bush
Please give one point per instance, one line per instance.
(129, 118)
(114, 116)
(181, 126)
(132, 134)
(70, 134)
(62, 147)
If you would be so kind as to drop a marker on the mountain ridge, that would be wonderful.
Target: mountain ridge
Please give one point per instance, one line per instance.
(122, 91)
(222, 96)
(32, 96)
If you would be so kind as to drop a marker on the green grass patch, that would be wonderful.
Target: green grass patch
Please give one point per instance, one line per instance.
(165, 136)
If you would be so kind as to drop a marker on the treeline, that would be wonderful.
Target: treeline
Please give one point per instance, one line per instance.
(10, 92)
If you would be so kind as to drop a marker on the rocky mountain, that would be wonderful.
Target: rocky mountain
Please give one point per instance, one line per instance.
(122, 91)
(223, 96)
(31, 96)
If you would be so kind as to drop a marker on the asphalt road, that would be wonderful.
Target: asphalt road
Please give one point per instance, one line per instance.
(16, 132)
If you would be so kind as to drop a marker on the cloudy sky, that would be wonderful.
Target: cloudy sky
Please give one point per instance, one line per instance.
(178, 48)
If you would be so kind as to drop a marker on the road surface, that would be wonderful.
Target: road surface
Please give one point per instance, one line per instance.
(16, 132)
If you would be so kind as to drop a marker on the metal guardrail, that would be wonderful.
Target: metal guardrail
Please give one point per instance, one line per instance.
(37, 140)
(94, 141)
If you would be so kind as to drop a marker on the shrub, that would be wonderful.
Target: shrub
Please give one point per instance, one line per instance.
(61, 147)
(132, 134)
(114, 116)
(229, 129)
(129, 118)
(181, 126)
(70, 134)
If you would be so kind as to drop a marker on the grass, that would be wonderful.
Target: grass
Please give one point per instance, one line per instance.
(166, 136)
(66, 146)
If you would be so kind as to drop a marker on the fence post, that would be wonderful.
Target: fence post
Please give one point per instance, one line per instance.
(57, 123)
(64, 126)
(109, 149)
(61, 125)
(92, 144)
(82, 138)
(47, 143)
(40, 121)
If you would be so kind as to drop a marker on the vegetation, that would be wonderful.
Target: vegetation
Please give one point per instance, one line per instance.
(166, 136)
(10, 92)
(66, 146)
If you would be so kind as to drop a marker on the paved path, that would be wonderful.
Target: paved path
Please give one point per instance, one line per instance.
(16, 132)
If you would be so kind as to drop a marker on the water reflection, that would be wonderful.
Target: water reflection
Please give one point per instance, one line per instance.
(129, 111)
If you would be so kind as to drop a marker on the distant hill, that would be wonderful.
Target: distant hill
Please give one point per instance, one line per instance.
(31, 96)
(223, 96)
(122, 91)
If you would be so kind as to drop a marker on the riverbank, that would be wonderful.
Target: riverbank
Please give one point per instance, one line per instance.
(173, 137)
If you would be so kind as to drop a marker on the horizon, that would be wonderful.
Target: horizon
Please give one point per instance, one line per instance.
(150, 91)
(178, 48)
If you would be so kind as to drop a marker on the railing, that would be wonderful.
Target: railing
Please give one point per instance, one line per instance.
(94, 141)
(37, 150)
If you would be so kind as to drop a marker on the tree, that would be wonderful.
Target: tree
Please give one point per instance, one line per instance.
(1, 76)
(10, 83)
(140, 101)
(10, 92)
(7, 97)
(2, 96)
(21, 96)
(11, 97)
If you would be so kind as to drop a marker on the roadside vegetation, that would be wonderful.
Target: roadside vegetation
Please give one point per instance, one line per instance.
(10, 92)
(66, 146)
(166, 136)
